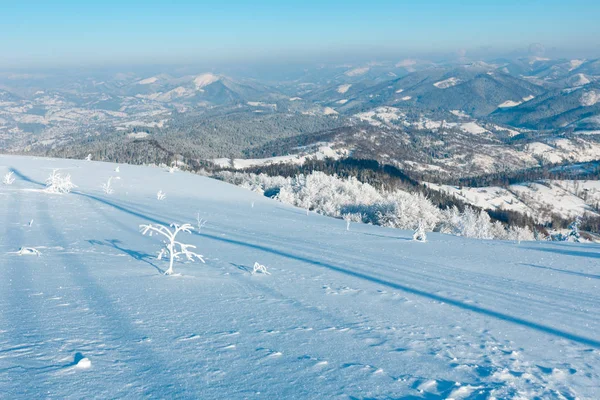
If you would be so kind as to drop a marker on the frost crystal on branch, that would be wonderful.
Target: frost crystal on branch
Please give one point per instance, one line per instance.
(57, 183)
(9, 178)
(172, 247)
(160, 195)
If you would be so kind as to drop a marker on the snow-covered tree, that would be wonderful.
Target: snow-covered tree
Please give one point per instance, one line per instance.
(9, 178)
(117, 169)
(58, 183)
(574, 235)
(420, 235)
(173, 248)
(160, 195)
(520, 234)
(88, 157)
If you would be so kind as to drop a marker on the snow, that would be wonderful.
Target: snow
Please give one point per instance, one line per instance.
(148, 81)
(472, 127)
(527, 98)
(509, 103)
(590, 98)
(399, 90)
(365, 313)
(574, 64)
(342, 101)
(406, 98)
(329, 111)
(579, 80)
(447, 83)
(323, 151)
(205, 79)
(357, 71)
(343, 88)
(460, 114)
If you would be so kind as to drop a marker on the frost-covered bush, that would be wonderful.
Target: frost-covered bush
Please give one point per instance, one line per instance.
(9, 178)
(58, 183)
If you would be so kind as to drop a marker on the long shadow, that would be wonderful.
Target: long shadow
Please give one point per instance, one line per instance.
(432, 296)
(567, 252)
(564, 271)
(137, 255)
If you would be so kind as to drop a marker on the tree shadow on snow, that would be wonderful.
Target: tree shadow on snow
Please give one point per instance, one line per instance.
(564, 271)
(360, 275)
(136, 255)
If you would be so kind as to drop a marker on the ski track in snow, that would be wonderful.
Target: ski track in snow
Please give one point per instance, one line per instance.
(367, 314)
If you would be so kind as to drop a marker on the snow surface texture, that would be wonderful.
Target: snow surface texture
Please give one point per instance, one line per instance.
(344, 314)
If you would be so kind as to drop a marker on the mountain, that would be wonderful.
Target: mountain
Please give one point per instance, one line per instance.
(555, 109)
(476, 90)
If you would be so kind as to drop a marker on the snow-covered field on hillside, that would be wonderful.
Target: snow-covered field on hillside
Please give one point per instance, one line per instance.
(364, 313)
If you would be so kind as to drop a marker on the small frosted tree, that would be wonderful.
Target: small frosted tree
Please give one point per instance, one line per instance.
(88, 157)
(58, 183)
(160, 195)
(107, 187)
(9, 178)
(173, 248)
(574, 235)
(201, 222)
(420, 235)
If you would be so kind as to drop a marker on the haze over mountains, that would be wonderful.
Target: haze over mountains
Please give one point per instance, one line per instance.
(473, 117)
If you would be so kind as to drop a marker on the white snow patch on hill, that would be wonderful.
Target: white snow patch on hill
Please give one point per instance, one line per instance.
(399, 90)
(205, 79)
(579, 80)
(342, 101)
(329, 111)
(527, 98)
(148, 81)
(406, 98)
(357, 71)
(344, 88)
(322, 152)
(509, 103)
(574, 64)
(590, 98)
(460, 113)
(472, 127)
(446, 83)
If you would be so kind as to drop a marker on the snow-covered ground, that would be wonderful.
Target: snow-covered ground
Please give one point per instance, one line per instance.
(365, 313)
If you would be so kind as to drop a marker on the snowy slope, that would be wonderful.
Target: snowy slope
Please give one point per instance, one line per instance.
(344, 314)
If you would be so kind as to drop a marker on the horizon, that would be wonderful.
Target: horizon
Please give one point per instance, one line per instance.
(71, 35)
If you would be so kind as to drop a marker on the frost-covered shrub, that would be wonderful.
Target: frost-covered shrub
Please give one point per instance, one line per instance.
(58, 183)
(9, 178)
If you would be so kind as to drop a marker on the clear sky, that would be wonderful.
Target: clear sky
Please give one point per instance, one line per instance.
(59, 32)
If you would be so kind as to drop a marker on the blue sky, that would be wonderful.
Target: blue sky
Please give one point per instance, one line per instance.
(53, 33)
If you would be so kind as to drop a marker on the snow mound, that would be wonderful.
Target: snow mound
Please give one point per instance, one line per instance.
(84, 363)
